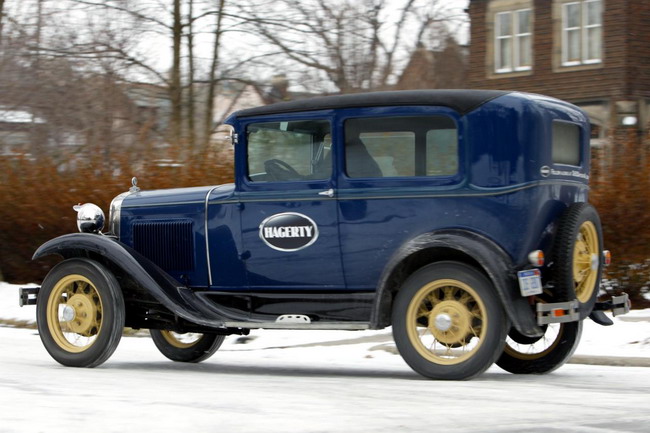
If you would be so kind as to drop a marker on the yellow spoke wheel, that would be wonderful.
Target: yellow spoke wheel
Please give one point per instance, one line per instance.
(74, 313)
(80, 313)
(544, 354)
(448, 321)
(577, 257)
(181, 341)
(586, 255)
(186, 347)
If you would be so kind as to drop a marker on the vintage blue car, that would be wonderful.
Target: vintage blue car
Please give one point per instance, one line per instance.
(459, 218)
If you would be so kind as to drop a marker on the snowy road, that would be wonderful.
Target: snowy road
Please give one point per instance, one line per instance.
(246, 388)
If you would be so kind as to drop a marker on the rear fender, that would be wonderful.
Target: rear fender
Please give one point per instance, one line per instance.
(461, 245)
(170, 293)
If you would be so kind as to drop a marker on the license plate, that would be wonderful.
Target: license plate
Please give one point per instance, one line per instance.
(530, 282)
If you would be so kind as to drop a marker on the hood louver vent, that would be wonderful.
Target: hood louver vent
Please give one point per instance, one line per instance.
(169, 244)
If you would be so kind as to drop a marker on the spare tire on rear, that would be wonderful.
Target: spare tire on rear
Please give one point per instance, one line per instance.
(577, 257)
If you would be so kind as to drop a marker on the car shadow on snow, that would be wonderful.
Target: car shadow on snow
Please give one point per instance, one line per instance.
(290, 370)
(261, 370)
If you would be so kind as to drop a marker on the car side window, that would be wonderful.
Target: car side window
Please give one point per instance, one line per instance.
(289, 151)
(401, 146)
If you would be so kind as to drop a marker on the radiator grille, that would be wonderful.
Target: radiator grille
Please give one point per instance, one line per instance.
(169, 244)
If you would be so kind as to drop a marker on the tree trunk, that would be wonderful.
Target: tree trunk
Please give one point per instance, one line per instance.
(191, 129)
(175, 90)
(36, 147)
(2, 15)
(212, 82)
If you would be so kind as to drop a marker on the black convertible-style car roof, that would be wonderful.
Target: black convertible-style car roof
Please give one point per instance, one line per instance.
(462, 101)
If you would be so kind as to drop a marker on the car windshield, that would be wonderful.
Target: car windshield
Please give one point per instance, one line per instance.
(300, 148)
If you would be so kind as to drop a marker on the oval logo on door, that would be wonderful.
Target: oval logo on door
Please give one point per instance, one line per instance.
(288, 231)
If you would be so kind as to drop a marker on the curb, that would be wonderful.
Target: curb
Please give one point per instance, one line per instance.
(613, 361)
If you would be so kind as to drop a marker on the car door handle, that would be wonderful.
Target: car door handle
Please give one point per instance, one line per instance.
(328, 193)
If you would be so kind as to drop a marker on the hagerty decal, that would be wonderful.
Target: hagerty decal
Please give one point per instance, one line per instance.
(288, 231)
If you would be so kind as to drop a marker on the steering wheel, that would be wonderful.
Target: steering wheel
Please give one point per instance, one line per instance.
(280, 170)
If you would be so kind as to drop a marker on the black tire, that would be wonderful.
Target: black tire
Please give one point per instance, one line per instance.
(461, 316)
(197, 349)
(543, 355)
(577, 257)
(80, 313)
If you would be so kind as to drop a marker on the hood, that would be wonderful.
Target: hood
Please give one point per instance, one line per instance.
(176, 196)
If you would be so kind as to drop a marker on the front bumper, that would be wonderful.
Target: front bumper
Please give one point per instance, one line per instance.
(27, 295)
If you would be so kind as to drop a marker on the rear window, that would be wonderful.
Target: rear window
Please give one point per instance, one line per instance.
(401, 146)
(566, 143)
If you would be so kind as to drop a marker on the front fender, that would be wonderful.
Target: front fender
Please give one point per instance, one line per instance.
(457, 245)
(173, 295)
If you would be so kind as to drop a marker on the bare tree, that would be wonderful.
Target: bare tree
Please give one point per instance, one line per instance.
(106, 38)
(74, 62)
(2, 16)
(191, 82)
(352, 44)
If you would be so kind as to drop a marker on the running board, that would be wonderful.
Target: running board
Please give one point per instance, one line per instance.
(296, 325)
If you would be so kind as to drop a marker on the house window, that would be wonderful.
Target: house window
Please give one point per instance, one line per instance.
(513, 41)
(582, 23)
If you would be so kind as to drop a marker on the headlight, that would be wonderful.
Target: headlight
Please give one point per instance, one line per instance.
(90, 218)
(115, 214)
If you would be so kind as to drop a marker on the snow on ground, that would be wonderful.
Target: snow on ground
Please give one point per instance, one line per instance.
(281, 381)
(346, 389)
(628, 337)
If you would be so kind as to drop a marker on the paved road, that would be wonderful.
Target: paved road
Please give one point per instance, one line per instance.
(306, 389)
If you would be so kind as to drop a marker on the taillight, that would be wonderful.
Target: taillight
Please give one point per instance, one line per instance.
(607, 257)
(536, 258)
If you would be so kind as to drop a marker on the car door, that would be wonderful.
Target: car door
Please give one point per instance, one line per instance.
(400, 167)
(288, 208)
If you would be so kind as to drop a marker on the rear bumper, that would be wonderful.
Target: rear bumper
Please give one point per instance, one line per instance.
(562, 312)
(618, 305)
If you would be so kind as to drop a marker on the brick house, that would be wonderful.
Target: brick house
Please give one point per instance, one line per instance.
(593, 53)
(444, 68)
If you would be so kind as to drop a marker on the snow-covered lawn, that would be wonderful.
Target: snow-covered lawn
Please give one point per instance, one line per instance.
(312, 381)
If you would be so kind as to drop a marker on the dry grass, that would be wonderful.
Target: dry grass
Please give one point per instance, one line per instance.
(37, 197)
(621, 193)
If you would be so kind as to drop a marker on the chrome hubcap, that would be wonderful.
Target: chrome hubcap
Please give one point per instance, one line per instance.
(443, 322)
(84, 315)
(450, 322)
(68, 314)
